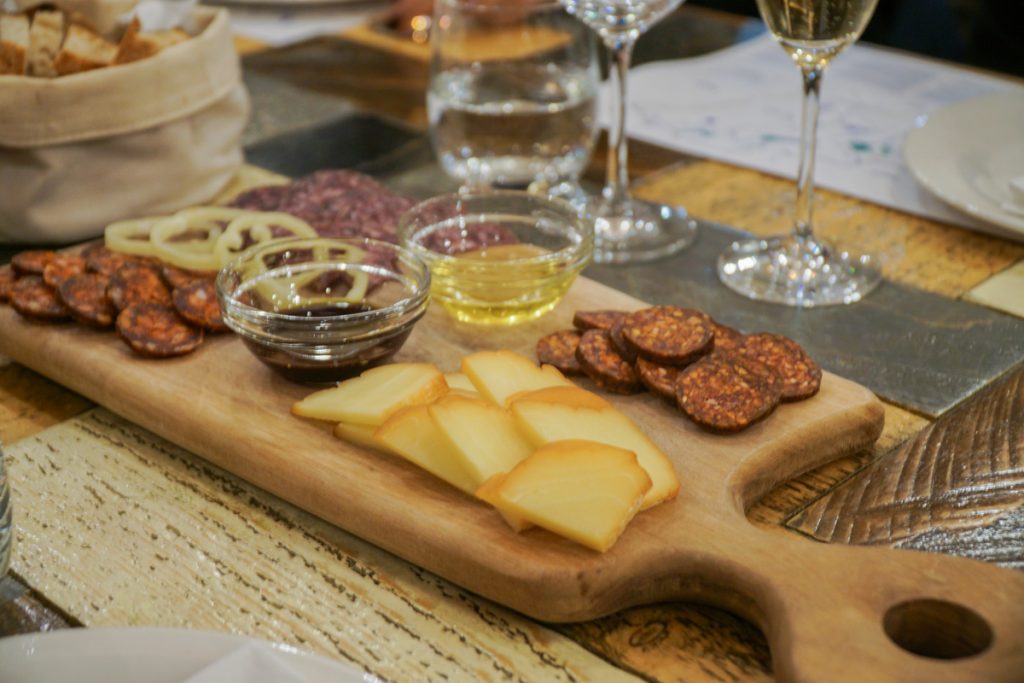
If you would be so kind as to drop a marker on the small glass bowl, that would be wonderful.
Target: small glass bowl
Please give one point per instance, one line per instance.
(498, 257)
(320, 310)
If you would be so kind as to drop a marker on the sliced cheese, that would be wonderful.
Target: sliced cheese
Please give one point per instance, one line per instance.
(360, 435)
(549, 416)
(412, 434)
(458, 380)
(500, 374)
(488, 493)
(582, 490)
(483, 437)
(375, 395)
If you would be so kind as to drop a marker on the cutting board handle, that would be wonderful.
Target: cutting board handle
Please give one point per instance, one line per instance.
(846, 613)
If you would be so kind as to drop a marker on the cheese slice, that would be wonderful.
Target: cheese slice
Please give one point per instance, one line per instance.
(483, 437)
(459, 381)
(372, 397)
(360, 435)
(488, 493)
(500, 374)
(549, 415)
(412, 434)
(582, 490)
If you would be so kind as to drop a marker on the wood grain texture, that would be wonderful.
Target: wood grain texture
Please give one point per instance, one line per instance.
(698, 547)
(30, 403)
(148, 534)
(936, 486)
(914, 251)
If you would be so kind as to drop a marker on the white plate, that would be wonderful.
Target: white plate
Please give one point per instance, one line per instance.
(967, 153)
(142, 655)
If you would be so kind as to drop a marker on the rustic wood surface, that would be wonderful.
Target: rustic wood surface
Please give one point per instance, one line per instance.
(669, 642)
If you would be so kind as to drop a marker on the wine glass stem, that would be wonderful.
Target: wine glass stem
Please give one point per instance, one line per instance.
(616, 189)
(808, 145)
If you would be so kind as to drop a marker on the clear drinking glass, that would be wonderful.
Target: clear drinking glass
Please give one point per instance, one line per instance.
(6, 525)
(513, 92)
(628, 230)
(801, 269)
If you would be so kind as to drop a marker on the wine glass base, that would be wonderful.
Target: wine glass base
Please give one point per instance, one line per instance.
(638, 231)
(797, 272)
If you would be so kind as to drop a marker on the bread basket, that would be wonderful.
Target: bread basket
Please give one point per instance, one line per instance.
(149, 137)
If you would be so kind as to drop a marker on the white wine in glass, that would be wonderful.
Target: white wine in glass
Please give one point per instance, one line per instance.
(628, 230)
(801, 269)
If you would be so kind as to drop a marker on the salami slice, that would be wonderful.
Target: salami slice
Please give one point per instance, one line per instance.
(179, 277)
(559, 349)
(7, 280)
(619, 342)
(197, 303)
(62, 267)
(603, 364)
(726, 338)
(726, 392)
(136, 283)
(801, 376)
(157, 331)
(32, 298)
(659, 379)
(669, 335)
(32, 262)
(85, 295)
(99, 259)
(596, 320)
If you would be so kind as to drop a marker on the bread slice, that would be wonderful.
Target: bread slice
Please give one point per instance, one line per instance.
(44, 40)
(136, 45)
(13, 43)
(83, 50)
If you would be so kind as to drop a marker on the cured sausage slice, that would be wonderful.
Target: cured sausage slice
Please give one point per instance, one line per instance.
(197, 303)
(179, 277)
(726, 392)
(603, 364)
(157, 331)
(62, 267)
(99, 259)
(32, 298)
(660, 379)
(136, 283)
(669, 335)
(619, 342)
(85, 295)
(596, 320)
(726, 338)
(7, 280)
(559, 349)
(32, 262)
(801, 376)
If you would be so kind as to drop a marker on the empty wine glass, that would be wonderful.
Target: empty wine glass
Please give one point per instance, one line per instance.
(628, 230)
(800, 269)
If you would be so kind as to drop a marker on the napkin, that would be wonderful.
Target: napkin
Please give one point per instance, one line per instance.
(251, 663)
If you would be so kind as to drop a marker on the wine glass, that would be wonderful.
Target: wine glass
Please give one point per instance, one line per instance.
(800, 269)
(628, 230)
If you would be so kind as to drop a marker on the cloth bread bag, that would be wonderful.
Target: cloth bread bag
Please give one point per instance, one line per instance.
(149, 137)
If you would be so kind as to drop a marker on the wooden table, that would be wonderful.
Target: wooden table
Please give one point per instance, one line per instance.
(118, 527)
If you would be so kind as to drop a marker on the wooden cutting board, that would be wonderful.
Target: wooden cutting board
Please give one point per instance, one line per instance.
(825, 609)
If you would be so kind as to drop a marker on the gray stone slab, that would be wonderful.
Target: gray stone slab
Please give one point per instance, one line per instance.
(915, 349)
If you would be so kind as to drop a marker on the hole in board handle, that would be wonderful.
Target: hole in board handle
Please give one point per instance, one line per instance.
(937, 629)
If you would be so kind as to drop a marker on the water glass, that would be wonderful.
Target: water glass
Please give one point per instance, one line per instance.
(512, 97)
(6, 525)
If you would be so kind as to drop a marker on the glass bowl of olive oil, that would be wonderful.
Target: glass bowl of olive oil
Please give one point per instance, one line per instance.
(498, 257)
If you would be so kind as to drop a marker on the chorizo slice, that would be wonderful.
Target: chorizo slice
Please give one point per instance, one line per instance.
(669, 335)
(619, 342)
(7, 279)
(603, 364)
(157, 331)
(85, 295)
(595, 320)
(659, 379)
(559, 349)
(726, 338)
(62, 267)
(801, 376)
(197, 303)
(179, 277)
(34, 299)
(136, 283)
(727, 392)
(32, 262)
(99, 259)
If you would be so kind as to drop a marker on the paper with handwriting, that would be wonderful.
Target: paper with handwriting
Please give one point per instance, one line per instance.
(742, 105)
